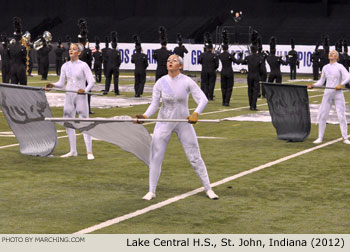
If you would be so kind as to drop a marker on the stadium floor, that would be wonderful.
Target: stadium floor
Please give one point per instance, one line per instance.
(307, 193)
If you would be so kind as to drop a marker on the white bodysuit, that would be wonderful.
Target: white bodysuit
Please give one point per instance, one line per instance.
(76, 74)
(174, 93)
(334, 74)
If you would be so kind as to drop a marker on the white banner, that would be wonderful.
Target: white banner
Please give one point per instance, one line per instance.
(194, 50)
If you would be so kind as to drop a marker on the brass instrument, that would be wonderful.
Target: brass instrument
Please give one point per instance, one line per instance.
(40, 42)
(25, 41)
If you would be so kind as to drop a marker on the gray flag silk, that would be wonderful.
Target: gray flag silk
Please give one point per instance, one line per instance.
(289, 110)
(25, 109)
(133, 138)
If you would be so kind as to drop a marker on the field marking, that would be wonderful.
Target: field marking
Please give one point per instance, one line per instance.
(208, 137)
(198, 190)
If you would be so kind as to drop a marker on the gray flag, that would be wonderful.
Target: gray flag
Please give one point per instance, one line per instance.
(130, 137)
(25, 109)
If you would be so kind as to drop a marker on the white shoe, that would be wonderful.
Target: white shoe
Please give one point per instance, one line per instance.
(211, 195)
(317, 141)
(346, 141)
(70, 154)
(90, 156)
(149, 196)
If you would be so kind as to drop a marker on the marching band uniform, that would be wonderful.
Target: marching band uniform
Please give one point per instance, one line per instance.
(141, 63)
(210, 63)
(113, 61)
(161, 55)
(59, 57)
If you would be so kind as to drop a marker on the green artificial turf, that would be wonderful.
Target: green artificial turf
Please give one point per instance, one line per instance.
(306, 194)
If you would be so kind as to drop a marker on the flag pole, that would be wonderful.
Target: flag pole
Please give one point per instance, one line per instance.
(322, 87)
(106, 120)
(72, 91)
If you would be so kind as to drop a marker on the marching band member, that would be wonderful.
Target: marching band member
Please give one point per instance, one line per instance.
(76, 73)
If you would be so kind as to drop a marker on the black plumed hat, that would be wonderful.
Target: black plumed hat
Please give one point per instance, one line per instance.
(208, 42)
(339, 46)
(225, 40)
(97, 42)
(114, 37)
(326, 41)
(292, 43)
(273, 45)
(137, 41)
(3, 38)
(317, 45)
(106, 41)
(179, 39)
(83, 31)
(17, 24)
(345, 45)
(260, 47)
(254, 41)
(163, 36)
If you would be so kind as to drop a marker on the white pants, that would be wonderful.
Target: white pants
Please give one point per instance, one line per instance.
(187, 136)
(326, 105)
(73, 104)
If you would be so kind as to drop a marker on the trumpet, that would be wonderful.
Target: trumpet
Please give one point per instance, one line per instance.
(26, 38)
(25, 41)
(47, 37)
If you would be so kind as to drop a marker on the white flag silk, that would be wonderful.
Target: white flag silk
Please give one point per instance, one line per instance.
(131, 137)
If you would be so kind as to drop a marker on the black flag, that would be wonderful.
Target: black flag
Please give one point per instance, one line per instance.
(289, 110)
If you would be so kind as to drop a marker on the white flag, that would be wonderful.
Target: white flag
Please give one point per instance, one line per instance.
(129, 136)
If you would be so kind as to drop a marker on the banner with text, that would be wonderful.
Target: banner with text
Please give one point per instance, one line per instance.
(194, 50)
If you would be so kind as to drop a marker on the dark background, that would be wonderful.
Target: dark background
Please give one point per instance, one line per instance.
(304, 20)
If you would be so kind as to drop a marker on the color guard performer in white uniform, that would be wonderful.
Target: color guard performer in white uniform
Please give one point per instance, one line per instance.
(174, 90)
(76, 73)
(335, 76)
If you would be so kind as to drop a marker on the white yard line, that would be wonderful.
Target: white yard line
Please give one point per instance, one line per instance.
(198, 190)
